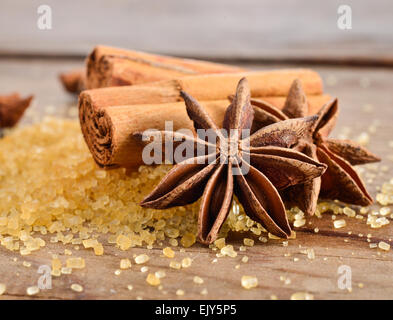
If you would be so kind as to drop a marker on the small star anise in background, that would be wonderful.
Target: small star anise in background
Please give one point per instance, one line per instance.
(12, 108)
(270, 165)
(340, 181)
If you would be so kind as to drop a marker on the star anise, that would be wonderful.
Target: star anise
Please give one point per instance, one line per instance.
(340, 181)
(12, 108)
(265, 155)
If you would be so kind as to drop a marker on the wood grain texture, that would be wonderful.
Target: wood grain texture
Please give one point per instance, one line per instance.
(355, 88)
(226, 29)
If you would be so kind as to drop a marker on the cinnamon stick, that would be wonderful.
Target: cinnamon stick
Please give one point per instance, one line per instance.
(108, 130)
(109, 116)
(107, 67)
(203, 88)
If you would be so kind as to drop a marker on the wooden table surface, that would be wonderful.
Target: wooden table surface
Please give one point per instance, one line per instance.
(371, 268)
(259, 35)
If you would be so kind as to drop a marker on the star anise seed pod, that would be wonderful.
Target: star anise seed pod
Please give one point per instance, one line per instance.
(276, 167)
(340, 181)
(12, 108)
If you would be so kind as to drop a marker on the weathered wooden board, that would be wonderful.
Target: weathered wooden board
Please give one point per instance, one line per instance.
(270, 261)
(227, 29)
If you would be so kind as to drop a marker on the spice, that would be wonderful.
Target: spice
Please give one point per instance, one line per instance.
(73, 81)
(97, 202)
(12, 108)
(110, 67)
(109, 142)
(272, 161)
(340, 181)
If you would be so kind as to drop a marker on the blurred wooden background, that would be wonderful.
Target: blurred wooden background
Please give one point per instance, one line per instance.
(294, 30)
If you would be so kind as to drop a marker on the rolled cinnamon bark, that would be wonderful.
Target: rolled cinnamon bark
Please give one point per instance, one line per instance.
(108, 130)
(204, 87)
(109, 116)
(107, 67)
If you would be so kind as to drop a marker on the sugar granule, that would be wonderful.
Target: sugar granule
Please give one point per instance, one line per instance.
(175, 265)
(186, 262)
(56, 264)
(180, 292)
(66, 270)
(248, 242)
(142, 258)
(3, 287)
(220, 243)
(339, 223)
(75, 263)
(384, 246)
(168, 252)
(31, 291)
(198, 280)
(188, 240)
(249, 282)
(76, 287)
(160, 274)
(144, 269)
(125, 264)
(302, 296)
(229, 251)
(153, 280)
